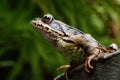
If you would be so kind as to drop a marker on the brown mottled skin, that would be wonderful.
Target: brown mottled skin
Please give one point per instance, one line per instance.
(75, 45)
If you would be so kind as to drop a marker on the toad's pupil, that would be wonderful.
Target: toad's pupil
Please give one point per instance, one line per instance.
(47, 18)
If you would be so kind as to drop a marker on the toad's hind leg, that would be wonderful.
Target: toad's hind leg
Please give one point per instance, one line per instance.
(66, 67)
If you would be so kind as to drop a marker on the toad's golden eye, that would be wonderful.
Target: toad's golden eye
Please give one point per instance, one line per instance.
(47, 18)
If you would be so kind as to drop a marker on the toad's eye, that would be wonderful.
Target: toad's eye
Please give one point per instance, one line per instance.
(47, 18)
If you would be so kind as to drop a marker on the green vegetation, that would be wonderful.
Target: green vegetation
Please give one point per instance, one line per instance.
(24, 55)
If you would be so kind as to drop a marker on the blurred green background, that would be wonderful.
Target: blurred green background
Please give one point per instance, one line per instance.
(24, 55)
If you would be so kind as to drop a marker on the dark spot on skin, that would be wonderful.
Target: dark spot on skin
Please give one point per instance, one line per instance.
(68, 29)
(34, 23)
(84, 55)
(87, 41)
(41, 25)
(60, 34)
(56, 32)
(38, 25)
(49, 32)
(81, 52)
(81, 32)
(68, 41)
(86, 48)
(65, 35)
(82, 36)
(75, 33)
(54, 40)
(46, 28)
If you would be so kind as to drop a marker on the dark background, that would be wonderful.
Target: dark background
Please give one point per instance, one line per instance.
(24, 55)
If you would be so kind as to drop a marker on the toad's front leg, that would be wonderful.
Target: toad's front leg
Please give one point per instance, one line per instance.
(103, 53)
(89, 59)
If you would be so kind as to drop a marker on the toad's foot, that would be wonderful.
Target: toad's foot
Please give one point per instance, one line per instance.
(89, 59)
